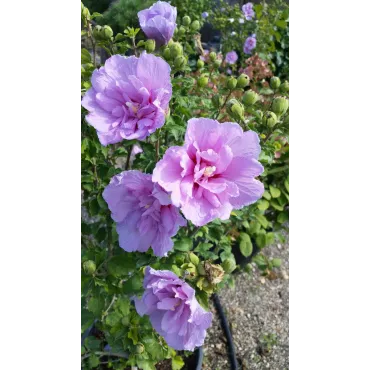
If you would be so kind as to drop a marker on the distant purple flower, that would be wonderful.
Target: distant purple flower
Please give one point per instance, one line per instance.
(129, 97)
(205, 55)
(143, 212)
(231, 57)
(173, 310)
(136, 149)
(250, 44)
(205, 15)
(248, 11)
(158, 22)
(213, 172)
(229, 71)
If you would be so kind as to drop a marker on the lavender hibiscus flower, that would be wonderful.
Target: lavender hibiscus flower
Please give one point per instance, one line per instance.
(158, 22)
(250, 44)
(143, 212)
(129, 97)
(173, 310)
(248, 11)
(231, 57)
(213, 172)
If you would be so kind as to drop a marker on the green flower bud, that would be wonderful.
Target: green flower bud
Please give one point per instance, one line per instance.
(275, 82)
(176, 32)
(139, 348)
(231, 83)
(186, 20)
(182, 31)
(195, 26)
(276, 262)
(107, 33)
(217, 63)
(200, 64)
(180, 62)
(284, 87)
(269, 119)
(217, 101)
(202, 81)
(250, 97)
(194, 259)
(170, 43)
(176, 50)
(97, 32)
(167, 54)
(89, 267)
(150, 45)
(85, 12)
(235, 109)
(280, 105)
(229, 265)
(212, 56)
(243, 81)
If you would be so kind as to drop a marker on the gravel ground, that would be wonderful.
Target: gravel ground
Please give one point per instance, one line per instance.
(257, 307)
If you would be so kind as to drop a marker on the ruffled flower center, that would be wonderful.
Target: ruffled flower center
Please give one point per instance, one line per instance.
(209, 171)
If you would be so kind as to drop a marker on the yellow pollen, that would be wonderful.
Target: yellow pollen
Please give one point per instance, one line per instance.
(209, 170)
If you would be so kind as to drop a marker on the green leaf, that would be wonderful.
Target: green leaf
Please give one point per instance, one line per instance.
(281, 24)
(202, 298)
(276, 205)
(203, 247)
(133, 335)
(102, 203)
(153, 347)
(184, 244)
(92, 343)
(93, 361)
(275, 192)
(260, 261)
(286, 184)
(245, 224)
(245, 245)
(270, 238)
(262, 220)
(266, 195)
(113, 319)
(283, 217)
(261, 240)
(177, 363)
(132, 285)
(263, 205)
(123, 306)
(145, 364)
(121, 265)
(96, 305)
(85, 56)
(254, 227)
(94, 207)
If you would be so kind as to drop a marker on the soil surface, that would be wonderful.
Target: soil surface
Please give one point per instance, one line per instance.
(258, 313)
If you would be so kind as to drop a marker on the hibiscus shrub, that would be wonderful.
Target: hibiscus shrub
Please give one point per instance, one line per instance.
(184, 182)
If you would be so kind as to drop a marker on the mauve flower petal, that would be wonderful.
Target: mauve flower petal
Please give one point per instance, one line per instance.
(174, 312)
(202, 133)
(206, 177)
(142, 220)
(129, 97)
(158, 22)
(242, 172)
